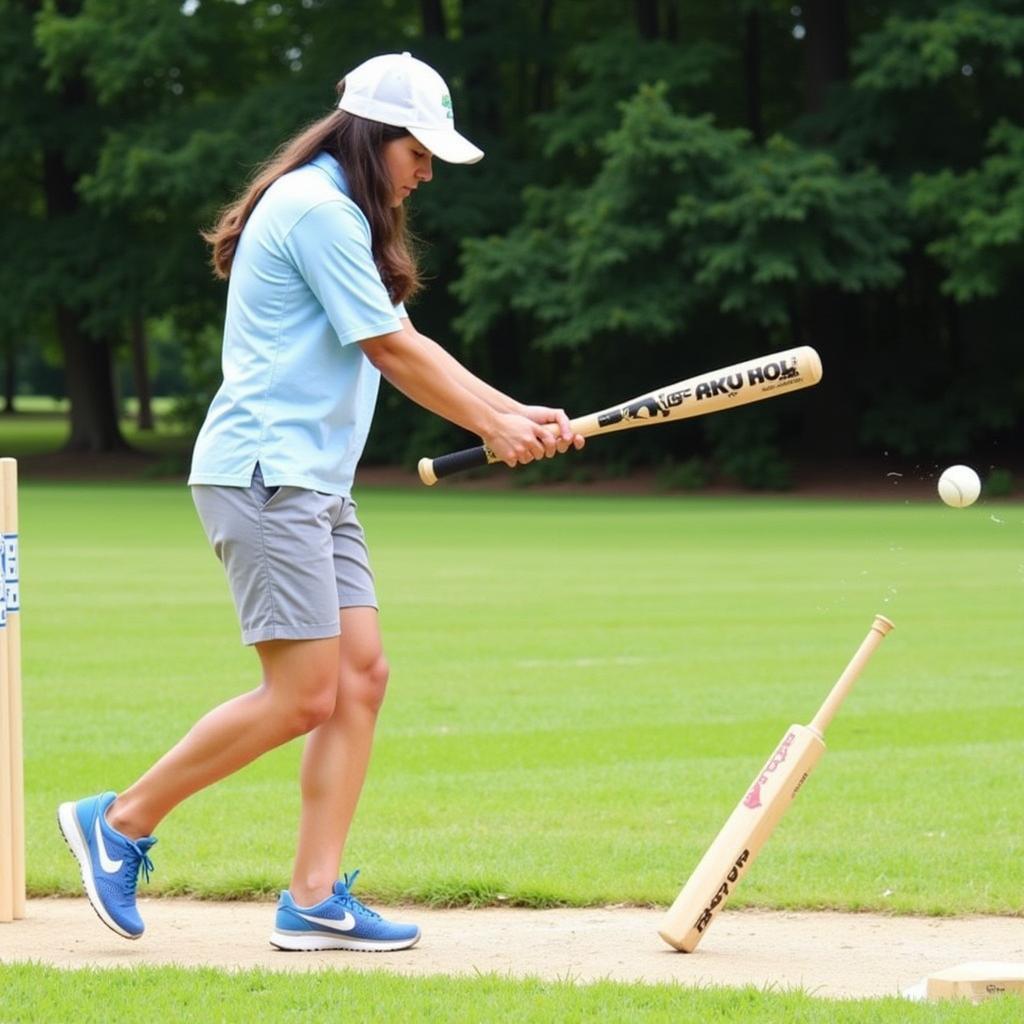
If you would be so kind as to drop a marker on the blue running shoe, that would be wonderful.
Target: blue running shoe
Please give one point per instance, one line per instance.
(110, 862)
(339, 922)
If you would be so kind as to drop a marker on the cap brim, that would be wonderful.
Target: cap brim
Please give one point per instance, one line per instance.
(448, 145)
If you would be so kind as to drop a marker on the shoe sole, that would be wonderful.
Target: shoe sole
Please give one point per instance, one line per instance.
(311, 941)
(67, 822)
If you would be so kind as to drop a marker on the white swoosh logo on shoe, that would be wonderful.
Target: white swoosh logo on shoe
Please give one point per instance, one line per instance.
(346, 924)
(110, 866)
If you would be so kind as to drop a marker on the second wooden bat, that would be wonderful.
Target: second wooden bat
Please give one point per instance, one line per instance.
(726, 388)
(729, 857)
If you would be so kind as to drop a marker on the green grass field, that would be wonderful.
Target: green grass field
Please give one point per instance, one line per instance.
(44, 994)
(581, 691)
(582, 688)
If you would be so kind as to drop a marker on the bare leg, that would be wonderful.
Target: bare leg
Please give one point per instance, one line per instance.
(298, 692)
(336, 757)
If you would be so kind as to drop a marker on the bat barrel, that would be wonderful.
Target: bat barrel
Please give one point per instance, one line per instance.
(729, 857)
(726, 388)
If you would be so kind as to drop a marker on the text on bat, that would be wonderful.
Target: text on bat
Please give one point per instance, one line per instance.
(662, 403)
(723, 890)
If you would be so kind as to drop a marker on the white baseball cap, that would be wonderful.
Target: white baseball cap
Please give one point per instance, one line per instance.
(400, 90)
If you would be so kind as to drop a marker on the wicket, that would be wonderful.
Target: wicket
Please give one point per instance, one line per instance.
(12, 784)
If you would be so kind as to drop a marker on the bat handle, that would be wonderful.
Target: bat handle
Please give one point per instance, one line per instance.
(827, 712)
(432, 470)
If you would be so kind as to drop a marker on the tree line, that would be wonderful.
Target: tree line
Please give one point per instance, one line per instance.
(669, 186)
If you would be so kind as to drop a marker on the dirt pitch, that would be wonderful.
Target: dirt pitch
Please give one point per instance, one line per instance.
(827, 954)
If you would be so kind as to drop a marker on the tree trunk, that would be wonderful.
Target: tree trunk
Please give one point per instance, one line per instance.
(671, 21)
(88, 365)
(831, 321)
(140, 372)
(89, 370)
(483, 95)
(752, 74)
(10, 377)
(646, 16)
(831, 316)
(826, 47)
(543, 86)
(432, 16)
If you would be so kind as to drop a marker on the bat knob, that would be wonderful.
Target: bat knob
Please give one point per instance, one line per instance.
(426, 471)
(882, 625)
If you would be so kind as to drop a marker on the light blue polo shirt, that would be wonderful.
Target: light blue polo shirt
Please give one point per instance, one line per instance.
(298, 392)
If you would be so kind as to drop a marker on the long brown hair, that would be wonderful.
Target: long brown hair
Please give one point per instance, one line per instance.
(357, 145)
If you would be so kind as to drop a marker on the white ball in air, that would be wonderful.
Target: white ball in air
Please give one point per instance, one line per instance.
(959, 486)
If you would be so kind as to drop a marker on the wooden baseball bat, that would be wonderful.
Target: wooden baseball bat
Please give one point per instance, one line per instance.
(6, 760)
(727, 388)
(746, 831)
(12, 671)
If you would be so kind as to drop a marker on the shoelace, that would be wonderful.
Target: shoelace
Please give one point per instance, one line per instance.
(144, 864)
(348, 900)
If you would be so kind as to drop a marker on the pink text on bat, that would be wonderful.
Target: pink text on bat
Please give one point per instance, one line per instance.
(753, 798)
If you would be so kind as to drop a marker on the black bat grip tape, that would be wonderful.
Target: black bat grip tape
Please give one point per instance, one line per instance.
(457, 462)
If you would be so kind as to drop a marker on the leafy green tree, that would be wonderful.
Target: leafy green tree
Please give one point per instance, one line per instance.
(684, 222)
(665, 182)
(977, 219)
(137, 120)
(865, 225)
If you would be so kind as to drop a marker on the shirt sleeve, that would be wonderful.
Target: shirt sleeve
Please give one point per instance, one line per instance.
(330, 246)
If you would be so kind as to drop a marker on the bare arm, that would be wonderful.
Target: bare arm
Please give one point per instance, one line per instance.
(424, 372)
(492, 396)
(499, 400)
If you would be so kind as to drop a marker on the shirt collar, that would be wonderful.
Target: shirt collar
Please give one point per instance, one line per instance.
(331, 168)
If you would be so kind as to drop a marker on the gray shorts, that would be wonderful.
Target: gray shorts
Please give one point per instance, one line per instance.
(293, 557)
